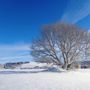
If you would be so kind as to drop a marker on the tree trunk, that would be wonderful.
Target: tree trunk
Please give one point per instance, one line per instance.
(65, 66)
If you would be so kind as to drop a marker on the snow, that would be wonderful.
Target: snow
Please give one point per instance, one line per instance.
(71, 80)
(32, 65)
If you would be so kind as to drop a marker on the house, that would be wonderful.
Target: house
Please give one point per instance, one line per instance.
(85, 64)
(81, 64)
(1, 66)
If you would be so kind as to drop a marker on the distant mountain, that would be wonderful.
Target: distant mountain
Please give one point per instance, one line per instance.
(14, 65)
(38, 65)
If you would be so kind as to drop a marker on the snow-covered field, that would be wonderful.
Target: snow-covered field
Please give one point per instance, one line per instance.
(71, 80)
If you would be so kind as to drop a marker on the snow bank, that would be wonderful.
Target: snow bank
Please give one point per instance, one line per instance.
(72, 80)
(32, 65)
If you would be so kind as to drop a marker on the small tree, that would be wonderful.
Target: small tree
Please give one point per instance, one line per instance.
(60, 43)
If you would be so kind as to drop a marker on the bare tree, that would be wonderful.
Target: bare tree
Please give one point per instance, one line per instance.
(60, 43)
(87, 47)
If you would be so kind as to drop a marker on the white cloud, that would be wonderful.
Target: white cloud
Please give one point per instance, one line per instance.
(89, 30)
(15, 47)
(15, 52)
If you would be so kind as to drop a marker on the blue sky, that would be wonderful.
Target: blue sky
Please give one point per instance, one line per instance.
(21, 21)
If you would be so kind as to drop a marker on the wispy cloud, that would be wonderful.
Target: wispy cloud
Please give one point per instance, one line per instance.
(15, 47)
(15, 52)
(76, 10)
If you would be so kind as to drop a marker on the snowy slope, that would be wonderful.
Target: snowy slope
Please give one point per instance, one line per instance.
(73, 80)
(32, 65)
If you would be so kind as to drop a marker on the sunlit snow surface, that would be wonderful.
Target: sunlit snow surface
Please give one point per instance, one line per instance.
(71, 80)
